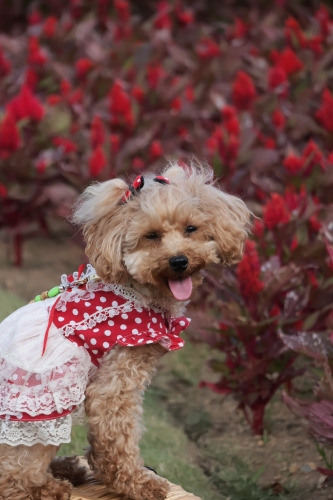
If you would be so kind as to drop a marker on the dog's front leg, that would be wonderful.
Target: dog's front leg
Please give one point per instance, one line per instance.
(114, 409)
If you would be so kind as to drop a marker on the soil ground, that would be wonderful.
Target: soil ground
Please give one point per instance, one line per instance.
(188, 428)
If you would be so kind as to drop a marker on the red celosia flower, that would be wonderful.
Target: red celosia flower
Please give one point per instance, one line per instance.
(3, 191)
(119, 100)
(65, 87)
(292, 199)
(122, 10)
(330, 157)
(155, 73)
(323, 17)
(66, 144)
(294, 243)
(97, 134)
(275, 311)
(5, 65)
(36, 56)
(82, 67)
(258, 228)
(278, 119)
(31, 79)
(26, 105)
(189, 93)
(50, 26)
(293, 164)
(35, 17)
(243, 91)
(76, 9)
(122, 32)
(312, 156)
(211, 144)
(289, 61)
(293, 32)
(53, 99)
(240, 28)
(97, 162)
(129, 119)
(185, 17)
(269, 142)
(312, 278)
(9, 136)
(115, 143)
(162, 20)
(275, 211)
(138, 163)
(183, 133)
(176, 104)
(232, 149)
(248, 272)
(315, 224)
(76, 97)
(41, 166)
(316, 44)
(155, 150)
(277, 81)
(325, 113)
(230, 120)
(138, 93)
(206, 48)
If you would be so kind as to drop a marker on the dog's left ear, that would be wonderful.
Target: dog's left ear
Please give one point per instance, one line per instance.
(229, 224)
(100, 211)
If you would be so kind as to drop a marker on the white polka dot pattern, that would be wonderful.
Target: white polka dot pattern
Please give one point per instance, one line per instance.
(108, 319)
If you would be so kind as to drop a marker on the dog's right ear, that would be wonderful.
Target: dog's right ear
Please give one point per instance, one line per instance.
(101, 214)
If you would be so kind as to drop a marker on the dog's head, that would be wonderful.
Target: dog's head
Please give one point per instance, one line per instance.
(162, 234)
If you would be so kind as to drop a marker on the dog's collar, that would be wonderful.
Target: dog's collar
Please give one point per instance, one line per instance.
(137, 185)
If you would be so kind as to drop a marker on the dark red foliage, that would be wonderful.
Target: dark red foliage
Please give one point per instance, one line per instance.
(9, 136)
(325, 113)
(92, 91)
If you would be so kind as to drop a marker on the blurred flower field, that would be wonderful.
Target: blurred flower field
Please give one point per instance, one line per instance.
(93, 90)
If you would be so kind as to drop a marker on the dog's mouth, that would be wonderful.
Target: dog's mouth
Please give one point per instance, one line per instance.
(181, 288)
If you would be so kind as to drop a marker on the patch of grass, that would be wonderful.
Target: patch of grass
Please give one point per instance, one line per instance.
(9, 302)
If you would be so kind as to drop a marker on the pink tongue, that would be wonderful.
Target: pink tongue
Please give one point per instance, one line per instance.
(181, 288)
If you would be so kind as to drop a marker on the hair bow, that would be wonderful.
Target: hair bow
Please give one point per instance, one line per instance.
(137, 185)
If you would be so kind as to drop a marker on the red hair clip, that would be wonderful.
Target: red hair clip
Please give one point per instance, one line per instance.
(161, 179)
(134, 188)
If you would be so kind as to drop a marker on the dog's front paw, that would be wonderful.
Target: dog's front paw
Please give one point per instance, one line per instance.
(155, 488)
(56, 490)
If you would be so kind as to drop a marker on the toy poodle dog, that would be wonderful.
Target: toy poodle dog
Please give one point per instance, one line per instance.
(90, 346)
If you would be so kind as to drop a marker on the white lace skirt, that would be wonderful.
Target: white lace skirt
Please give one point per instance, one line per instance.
(34, 388)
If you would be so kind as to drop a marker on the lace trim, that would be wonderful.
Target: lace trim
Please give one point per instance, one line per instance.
(124, 292)
(90, 271)
(55, 390)
(98, 317)
(44, 432)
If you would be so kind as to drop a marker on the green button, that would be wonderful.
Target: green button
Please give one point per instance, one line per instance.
(38, 298)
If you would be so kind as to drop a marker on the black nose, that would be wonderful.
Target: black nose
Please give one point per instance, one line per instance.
(179, 263)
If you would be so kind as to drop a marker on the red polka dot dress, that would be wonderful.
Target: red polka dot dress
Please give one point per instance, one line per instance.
(42, 389)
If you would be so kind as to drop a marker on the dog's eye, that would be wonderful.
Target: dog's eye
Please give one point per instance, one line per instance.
(152, 236)
(190, 229)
